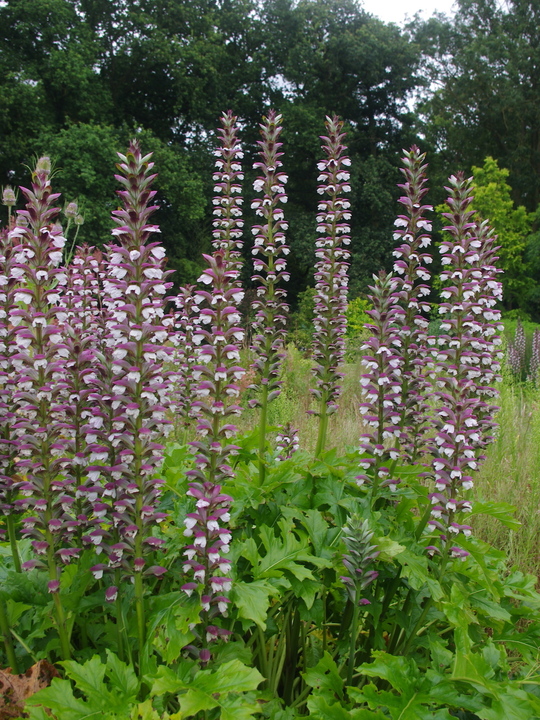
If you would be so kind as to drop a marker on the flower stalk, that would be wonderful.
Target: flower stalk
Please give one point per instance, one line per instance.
(331, 279)
(269, 264)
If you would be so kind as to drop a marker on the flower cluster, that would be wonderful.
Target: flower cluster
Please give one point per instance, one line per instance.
(217, 374)
(467, 314)
(359, 558)
(132, 418)
(287, 442)
(186, 322)
(411, 275)
(381, 388)
(228, 222)
(10, 483)
(516, 352)
(534, 364)
(269, 264)
(204, 558)
(331, 279)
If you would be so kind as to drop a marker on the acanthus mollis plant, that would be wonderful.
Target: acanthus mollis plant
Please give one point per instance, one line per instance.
(486, 327)
(358, 560)
(137, 330)
(11, 505)
(412, 228)
(81, 337)
(217, 394)
(228, 222)
(270, 266)
(40, 425)
(331, 279)
(516, 352)
(186, 322)
(287, 442)
(217, 336)
(534, 365)
(381, 389)
(458, 440)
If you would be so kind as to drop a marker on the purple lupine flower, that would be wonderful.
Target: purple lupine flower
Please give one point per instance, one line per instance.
(381, 388)
(413, 229)
(331, 279)
(457, 354)
(135, 354)
(287, 442)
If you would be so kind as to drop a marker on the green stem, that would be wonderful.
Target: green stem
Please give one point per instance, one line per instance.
(139, 605)
(119, 617)
(354, 633)
(8, 641)
(65, 646)
(323, 427)
(10, 522)
(262, 435)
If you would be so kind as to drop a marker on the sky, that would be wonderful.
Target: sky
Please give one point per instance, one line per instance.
(399, 10)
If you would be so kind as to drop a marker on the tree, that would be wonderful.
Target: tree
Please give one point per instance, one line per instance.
(484, 71)
(493, 202)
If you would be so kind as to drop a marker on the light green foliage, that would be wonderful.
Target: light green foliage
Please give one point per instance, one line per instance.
(108, 691)
(493, 202)
(357, 317)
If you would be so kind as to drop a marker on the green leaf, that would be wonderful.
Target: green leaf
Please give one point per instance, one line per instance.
(502, 511)
(210, 689)
(59, 698)
(325, 675)
(87, 677)
(387, 547)
(415, 568)
(320, 709)
(253, 600)
(122, 676)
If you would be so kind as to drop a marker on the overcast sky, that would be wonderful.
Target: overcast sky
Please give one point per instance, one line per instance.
(399, 10)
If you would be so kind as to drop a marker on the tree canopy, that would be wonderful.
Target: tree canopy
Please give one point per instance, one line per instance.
(80, 77)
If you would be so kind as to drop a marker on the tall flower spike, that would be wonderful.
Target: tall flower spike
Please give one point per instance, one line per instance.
(381, 387)
(218, 373)
(11, 506)
(411, 276)
(486, 328)
(186, 322)
(228, 222)
(138, 329)
(37, 252)
(457, 354)
(331, 274)
(516, 352)
(217, 391)
(534, 365)
(270, 267)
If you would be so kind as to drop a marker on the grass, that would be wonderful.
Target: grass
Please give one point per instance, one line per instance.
(511, 473)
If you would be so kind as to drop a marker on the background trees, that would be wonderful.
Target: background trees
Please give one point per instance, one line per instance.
(80, 77)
